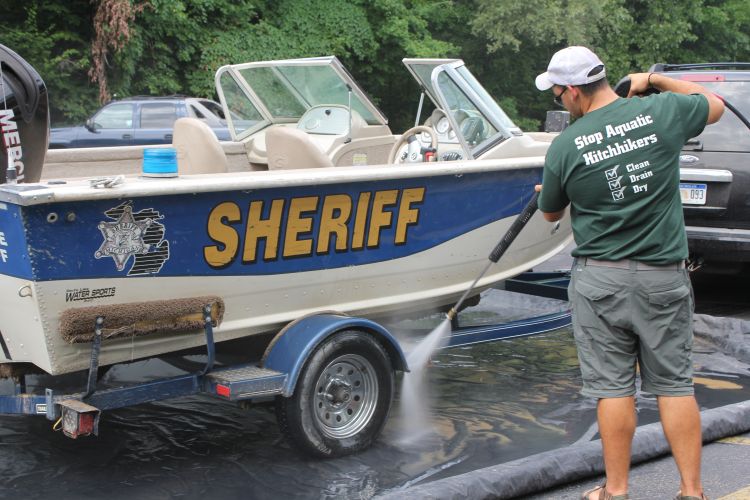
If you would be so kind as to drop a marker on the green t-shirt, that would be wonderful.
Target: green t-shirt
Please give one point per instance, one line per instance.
(618, 168)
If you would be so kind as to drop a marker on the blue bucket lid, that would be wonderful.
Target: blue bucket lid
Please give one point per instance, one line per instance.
(160, 162)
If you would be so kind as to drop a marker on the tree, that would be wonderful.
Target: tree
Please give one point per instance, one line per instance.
(112, 22)
(159, 47)
(522, 35)
(401, 29)
(54, 37)
(629, 36)
(177, 45)
(722, 32)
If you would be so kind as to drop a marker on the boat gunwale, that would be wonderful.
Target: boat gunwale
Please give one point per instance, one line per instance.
(80, 189)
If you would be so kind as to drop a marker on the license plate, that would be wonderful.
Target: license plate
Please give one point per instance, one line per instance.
(693, 194)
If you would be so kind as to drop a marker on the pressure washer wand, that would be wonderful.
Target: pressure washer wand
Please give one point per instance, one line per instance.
(500, 249)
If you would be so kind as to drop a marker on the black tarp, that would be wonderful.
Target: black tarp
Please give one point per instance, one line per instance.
(546, 470)
(581, 460)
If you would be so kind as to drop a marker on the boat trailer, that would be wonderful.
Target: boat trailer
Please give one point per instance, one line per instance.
(552, 285)
(278, 372)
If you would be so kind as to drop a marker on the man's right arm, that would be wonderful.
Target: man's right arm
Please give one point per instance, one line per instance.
(552, 197)
(550, 216)
(640, 82)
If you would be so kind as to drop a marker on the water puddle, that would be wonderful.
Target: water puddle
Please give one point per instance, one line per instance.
(488, 403)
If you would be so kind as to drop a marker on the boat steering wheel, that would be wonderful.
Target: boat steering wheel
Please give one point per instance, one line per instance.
(406, 135)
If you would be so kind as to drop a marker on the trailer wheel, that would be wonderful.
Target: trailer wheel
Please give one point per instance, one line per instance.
(342, 397)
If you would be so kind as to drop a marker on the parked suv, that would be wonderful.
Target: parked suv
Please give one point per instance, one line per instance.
(715, 170)
(139, 121)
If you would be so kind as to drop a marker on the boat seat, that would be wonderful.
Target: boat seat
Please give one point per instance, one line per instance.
(290, 148)
(198, 149)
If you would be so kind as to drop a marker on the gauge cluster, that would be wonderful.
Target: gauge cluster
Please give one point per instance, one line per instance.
(444, 131)
(449, 148)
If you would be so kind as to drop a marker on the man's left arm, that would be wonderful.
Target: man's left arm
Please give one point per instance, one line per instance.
(640, 82)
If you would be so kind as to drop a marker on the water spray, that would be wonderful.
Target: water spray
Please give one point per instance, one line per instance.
(500, 249)
(414, 407)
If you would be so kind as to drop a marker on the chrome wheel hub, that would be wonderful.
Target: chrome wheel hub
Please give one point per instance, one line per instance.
(346, 395)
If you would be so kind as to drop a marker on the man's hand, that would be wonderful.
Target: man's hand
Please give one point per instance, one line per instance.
(639, 83)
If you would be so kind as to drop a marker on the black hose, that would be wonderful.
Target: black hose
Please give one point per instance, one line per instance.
(500, 249)
(736, 112)
(515, 228)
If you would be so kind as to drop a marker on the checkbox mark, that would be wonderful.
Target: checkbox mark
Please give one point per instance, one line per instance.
(618, 195)
(615, 184)
(612, 172)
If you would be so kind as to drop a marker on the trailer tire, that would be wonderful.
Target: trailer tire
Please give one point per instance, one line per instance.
(342, 397)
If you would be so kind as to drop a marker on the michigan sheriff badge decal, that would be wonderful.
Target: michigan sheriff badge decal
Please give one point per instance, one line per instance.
(134, 234)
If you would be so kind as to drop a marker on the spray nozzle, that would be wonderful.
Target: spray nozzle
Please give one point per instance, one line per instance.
(451, 313)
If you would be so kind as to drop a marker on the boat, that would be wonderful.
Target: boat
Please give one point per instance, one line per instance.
(315, 206)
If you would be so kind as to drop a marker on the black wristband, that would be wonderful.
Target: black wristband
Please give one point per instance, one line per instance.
(649, 80)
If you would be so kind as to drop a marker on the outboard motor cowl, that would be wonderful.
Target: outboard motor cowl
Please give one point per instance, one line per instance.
(24, 118)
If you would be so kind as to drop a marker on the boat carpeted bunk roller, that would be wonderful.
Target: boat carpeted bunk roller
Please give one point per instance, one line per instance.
(139, 318)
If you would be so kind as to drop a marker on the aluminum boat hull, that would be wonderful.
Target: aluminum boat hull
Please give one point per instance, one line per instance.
(273, 245)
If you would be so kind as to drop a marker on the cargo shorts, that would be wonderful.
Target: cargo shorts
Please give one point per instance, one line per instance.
(623, 318)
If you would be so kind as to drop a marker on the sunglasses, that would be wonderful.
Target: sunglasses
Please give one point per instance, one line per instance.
(558, 98)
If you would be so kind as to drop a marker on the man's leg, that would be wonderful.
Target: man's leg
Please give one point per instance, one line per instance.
(681, 421)
(617, 422)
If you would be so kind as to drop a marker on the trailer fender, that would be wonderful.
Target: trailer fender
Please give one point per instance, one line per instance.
(290, 348)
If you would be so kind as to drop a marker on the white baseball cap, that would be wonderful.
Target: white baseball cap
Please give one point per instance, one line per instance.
(571, 66)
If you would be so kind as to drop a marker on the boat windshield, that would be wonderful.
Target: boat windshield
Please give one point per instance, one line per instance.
(492, 106)
(473, 113)
(422, 70)
(282, 91)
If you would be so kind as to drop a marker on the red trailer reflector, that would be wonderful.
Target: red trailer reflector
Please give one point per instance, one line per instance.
(702, 78)
(78, 418)
(222, 390)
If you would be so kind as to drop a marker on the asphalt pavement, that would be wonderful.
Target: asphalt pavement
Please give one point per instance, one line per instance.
(725, 468)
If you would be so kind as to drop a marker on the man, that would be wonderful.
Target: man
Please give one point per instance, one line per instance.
(617, 166)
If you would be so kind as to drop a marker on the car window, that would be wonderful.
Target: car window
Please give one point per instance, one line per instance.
(214, 108)
(729, 133)
(115, 116)
(158, 115)
(197, 112)
(242, 111)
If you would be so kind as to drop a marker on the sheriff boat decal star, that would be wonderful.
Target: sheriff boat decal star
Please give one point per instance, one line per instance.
(136, 235)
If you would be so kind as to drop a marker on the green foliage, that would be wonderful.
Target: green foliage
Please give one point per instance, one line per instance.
(629, 36)
(722, 32)
(176, 46)
(287, 29)
(545, 22)
(655, 31)
(401, 29)
(54, 37)
(167, 44)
